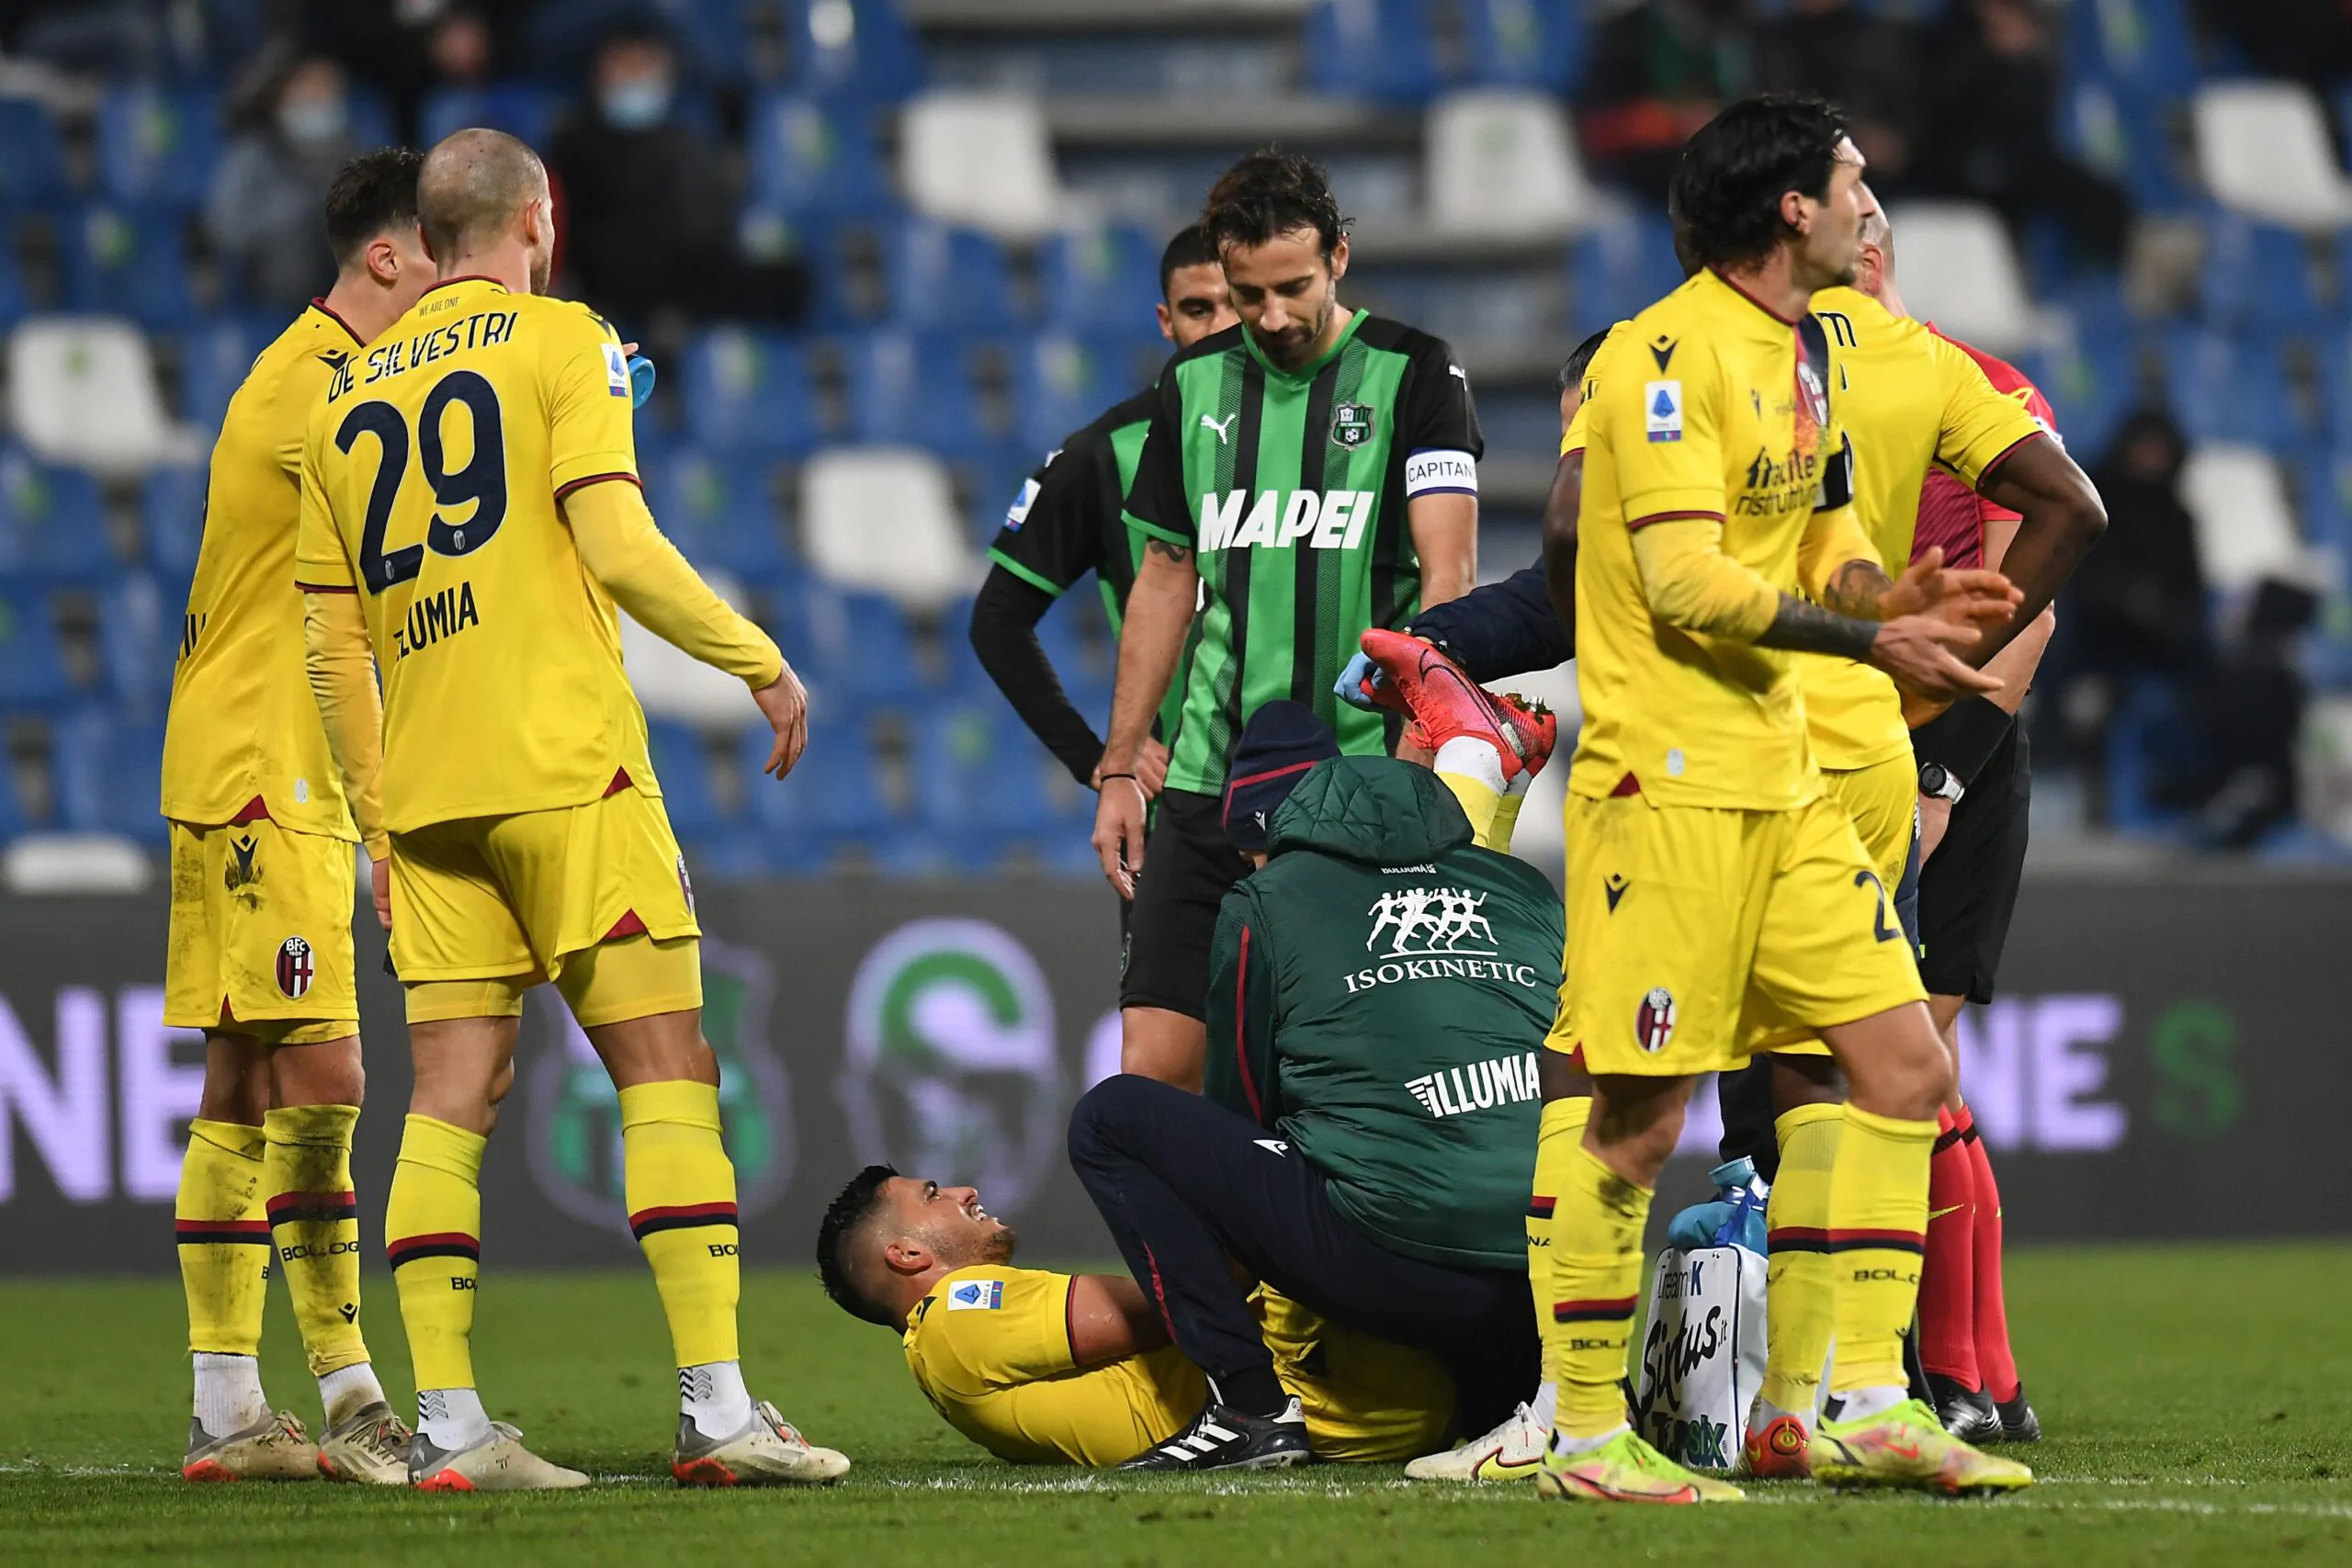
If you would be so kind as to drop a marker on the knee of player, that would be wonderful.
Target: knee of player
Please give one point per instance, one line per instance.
(1101, 1111)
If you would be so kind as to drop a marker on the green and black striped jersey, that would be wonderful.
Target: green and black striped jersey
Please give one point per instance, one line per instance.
(1290, 487)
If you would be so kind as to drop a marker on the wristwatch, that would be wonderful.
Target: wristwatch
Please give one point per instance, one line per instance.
(1937, 780)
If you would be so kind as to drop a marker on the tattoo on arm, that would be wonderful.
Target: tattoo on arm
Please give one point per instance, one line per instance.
(1813, 628)
(1179, 554)
(1856, 589)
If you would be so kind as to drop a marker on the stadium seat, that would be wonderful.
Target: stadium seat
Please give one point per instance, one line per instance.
(812, 158)
(2257, 274)
(1537, 44)
(681, 762)
(1619, 268)
(158, 144)
(215, 357)
(2245, 528)
(52, 524)
(1102, 278)
(916, 391)
(50, 864)
(983, 159)
(939, 277)
(2262, 150)
(2145, 47)
(833, 796)
(139, 628)
(32, 159)
(884, 519)
(524, 109)
(1060, 384)
(82, 391)
(128, 262)
(106, 775)
(748, 391)
(858, 647)
(1379, 50)
(2091, 386)
(674, 684)
(171, 518)
(32, 674)
(2124, 136)
(2231, 388)
(1503, 163)
(857, 51)
(1960, 270)
(719, 512)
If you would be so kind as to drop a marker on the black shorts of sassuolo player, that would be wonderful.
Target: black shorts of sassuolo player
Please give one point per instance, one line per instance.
(1969, 890)
(1188, 864)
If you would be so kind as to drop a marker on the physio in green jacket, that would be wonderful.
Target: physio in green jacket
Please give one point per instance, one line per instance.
(1379, 990)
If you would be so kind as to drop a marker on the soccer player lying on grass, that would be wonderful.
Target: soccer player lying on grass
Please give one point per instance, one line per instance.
(1041, 1368)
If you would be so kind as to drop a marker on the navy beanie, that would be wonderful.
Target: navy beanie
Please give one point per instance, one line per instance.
(1282, 740)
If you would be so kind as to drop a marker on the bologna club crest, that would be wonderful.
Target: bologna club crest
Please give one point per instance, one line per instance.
(1653, 1020)
(295, 968)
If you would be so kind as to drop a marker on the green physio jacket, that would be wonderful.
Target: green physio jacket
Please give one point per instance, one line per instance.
(1378, 996)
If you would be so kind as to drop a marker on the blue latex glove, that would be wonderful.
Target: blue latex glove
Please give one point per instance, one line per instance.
(641, 379)
(1350, 689)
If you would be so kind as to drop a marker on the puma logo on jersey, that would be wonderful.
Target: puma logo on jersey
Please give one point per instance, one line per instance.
(1280, 519)
(1220, 427)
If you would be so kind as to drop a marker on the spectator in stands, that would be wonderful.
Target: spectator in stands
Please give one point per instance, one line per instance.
(650, 202)
(1866, 64)
(262, 213)
(1660, 69)
(406, 47)
(1992, 100)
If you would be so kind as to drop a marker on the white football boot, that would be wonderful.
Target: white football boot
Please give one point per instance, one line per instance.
(1512, 1451)
(768, 1452)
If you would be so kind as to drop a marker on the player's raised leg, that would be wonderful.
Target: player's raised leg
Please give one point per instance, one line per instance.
(1489, 748)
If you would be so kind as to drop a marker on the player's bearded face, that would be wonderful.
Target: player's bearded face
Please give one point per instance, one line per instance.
(961, 1232)
(1284, 292)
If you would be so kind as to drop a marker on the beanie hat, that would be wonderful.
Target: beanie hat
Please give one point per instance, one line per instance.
(1279, 743)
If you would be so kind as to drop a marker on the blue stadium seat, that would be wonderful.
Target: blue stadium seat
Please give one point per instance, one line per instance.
(32, 159)
(2227, 389)
(126, 261)
(2258, 276)
(834, 794)
(872, 59)
(808, 158)
(1379, 50)
(916, 391)
(2124, 134)
(522, 109)
(52, 524)
(940, 277)
(859, 646)
(215, 357)
(1058, 385)
(158, 144)
(140, 627)
(748, 391)
(721, 511)
(682, 761)
(107, 770)
(1525, 43)
(2143, 46)
(1102, 280)
(15, 303)
(170, 515)
(2091, 386)
(1619, 270)
(32, 674)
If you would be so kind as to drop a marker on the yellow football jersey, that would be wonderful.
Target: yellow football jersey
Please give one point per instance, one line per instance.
(1573, 438)
(1709, 411)
(1908, 399)
(989, 1346)
(243, 723)
(432, 479)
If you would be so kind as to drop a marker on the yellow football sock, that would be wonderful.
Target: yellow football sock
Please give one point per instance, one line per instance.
(1596, 1278)
(1796, 1313)
(1480, 802)
(314, 1220)
(433, 1239)
(223, 1240)
(1878, 1234)
(680, 1187)
(1505, 819)
(1559, 1136)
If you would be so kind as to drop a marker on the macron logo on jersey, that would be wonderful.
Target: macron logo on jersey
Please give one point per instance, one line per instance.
(1280, 519)
(976, 1295)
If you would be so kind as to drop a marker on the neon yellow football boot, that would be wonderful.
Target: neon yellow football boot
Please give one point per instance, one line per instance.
(1626, 1470)
(1908, 1447)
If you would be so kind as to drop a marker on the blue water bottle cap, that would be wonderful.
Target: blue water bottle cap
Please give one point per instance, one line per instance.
(1735, 1173)
(641, 379)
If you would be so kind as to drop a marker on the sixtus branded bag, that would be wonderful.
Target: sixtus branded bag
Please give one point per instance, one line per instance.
(1703, 1351)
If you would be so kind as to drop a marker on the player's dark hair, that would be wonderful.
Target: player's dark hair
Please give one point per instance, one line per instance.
(1579, 358)
(1726, 195)
(837, 1233)
(1191, 247)
(1269, 194)
(373, 193)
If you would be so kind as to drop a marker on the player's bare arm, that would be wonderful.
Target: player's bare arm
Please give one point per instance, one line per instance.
(1560, 535)
(1159, 609)
(2064, 518)
(1110, 1319)
(1446, 537)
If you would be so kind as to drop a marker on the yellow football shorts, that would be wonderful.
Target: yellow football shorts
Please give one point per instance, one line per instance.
(1883, 801)
(1699, 934)
(510, 900)
(261, 933)
(1366, 1401)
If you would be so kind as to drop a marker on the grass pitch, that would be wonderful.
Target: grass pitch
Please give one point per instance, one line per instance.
(2199, 1401)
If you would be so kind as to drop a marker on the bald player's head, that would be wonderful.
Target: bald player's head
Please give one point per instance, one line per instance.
(481, 190)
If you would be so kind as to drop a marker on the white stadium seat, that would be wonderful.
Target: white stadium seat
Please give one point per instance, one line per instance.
(980, 159)
(672, 684)
(1503, 164)
(1955, 266)
(2262, 150)
(82, 391)
(883, 519)
(38, 863)
(2245, 527)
